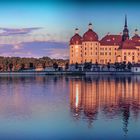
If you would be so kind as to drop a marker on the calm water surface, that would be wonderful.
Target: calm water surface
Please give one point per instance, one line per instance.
(70, 108)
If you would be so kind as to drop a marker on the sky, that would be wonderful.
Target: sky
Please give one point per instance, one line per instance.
(37, 28)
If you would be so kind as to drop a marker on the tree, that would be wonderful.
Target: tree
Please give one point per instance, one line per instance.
(117, 65)
(129, 65)
(66, 66)
(124, 65)
(96, 64)
(76, 65)
(22, 66)
(31, 65)
(43, 65)
(108, 66)
(87, 65)
(10, 66)
(55, 65)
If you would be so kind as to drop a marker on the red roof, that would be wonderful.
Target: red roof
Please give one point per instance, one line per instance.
(136, 40)
(90, 35)
(111, 40)
(76, 40)
(127, 44)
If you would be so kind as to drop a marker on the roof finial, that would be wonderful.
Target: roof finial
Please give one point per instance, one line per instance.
(136, 31)
(125, 21)
(90, 25)
(76, 30)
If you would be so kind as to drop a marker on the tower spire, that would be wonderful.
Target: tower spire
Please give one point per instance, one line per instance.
(125, 21)
(125, 35)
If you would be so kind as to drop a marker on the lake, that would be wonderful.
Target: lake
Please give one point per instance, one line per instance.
(70, 108)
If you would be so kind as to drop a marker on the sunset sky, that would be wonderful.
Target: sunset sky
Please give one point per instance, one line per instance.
(43, 28)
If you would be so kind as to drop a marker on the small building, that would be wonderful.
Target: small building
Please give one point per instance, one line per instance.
(136, 68)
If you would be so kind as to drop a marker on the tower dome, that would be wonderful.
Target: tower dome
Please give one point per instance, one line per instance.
(90, 35)
(76, 39)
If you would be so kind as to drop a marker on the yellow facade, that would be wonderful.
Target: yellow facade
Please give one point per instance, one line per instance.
(94, 52)
(90, 52)
(76, 54)
(128, 56)
(107, 54)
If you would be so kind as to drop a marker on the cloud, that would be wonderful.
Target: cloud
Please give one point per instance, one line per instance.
(37, 49)
(20, 31)
(17, 46)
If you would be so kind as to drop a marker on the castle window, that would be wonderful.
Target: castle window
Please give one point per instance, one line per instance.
(133, 58)
(106, 53)
(110, 49)
(85, 53)
(110, 53)
(96, 53)
(129, 53)
(124, 57)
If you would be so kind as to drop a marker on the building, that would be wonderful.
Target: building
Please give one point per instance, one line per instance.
(111, 48)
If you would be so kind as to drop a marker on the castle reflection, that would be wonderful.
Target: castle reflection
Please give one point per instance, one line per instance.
(108, 95)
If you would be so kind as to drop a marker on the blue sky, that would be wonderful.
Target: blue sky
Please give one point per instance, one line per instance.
(41, 22)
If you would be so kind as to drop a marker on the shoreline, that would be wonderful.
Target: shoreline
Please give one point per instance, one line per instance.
(70, 73)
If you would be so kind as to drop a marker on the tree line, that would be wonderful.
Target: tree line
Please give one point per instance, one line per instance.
(18, 63)
(117, 66)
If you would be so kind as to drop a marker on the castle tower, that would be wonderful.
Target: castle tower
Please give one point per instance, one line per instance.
(90, 45)
(76, 48)
(125, 35)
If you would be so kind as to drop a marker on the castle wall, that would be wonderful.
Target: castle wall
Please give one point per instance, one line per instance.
(107, 54)
(90, 51)
(75, 54)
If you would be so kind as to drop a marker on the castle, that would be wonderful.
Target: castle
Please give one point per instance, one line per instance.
(110, 49)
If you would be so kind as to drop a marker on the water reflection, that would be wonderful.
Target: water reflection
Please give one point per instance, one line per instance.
(111, 97)
(20, 95)
(82, 106)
